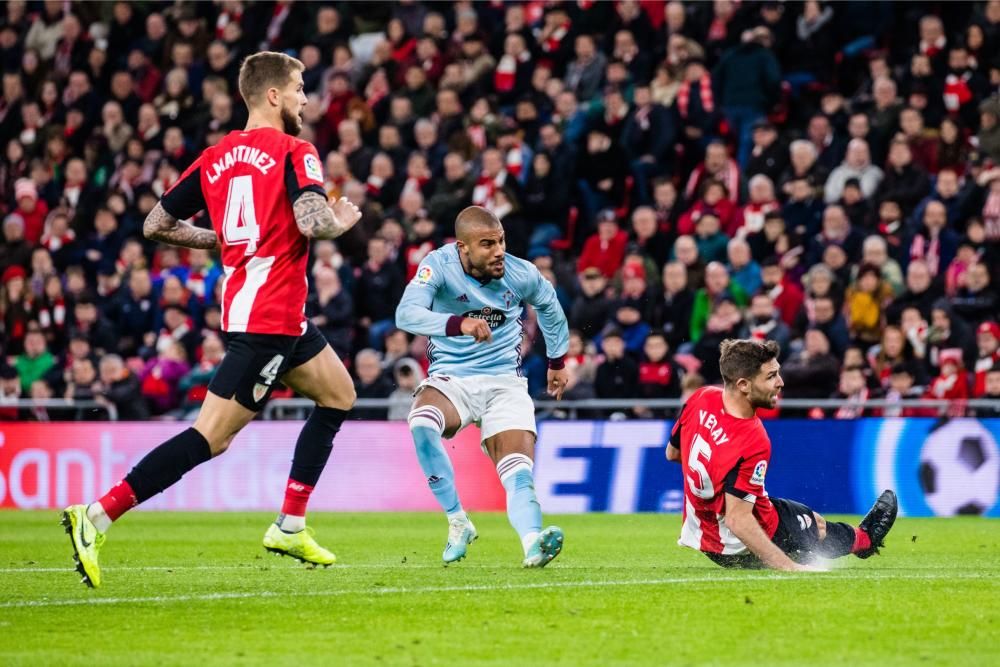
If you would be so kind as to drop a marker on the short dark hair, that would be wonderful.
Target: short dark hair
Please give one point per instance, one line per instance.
(267, 69)
(742, 358)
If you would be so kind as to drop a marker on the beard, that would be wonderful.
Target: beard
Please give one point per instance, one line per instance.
(290, 122)
(762, 399)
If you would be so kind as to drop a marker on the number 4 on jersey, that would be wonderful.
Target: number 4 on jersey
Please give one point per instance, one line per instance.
(239, 226)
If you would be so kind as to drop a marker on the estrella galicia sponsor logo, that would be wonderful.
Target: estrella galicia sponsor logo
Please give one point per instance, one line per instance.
(493, 317)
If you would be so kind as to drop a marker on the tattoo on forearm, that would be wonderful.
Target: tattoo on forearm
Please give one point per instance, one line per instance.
(315, 218)
(163, 227)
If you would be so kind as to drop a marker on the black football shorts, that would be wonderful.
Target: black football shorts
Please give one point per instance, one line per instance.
(797, 535)
(254, 363)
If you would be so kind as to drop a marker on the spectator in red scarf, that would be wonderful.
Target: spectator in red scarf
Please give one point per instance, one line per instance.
(853, 391)
(718, 166)
(555, 40)
(762, 201)
(52, 312)
(31, 209)
(17, 309)
(492, 176)
(933, 241)
(964, 87)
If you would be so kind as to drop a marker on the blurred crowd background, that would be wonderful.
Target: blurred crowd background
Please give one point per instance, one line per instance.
(826, 175)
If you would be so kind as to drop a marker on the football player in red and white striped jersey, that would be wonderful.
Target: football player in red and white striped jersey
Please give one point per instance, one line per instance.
(724, 450)
(262, 190)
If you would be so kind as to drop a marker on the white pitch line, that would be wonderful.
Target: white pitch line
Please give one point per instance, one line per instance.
(211, 597)
(278, 564)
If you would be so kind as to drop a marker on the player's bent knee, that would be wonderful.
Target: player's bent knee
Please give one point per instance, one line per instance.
(340, 399)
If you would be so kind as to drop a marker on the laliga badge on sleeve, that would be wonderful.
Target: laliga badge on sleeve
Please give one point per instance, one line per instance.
(424, 275)
(759, 471)
(313, 170)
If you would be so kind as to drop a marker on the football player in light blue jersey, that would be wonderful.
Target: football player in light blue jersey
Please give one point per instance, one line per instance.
(468, 297)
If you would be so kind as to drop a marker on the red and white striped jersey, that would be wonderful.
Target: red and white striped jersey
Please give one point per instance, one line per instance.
(720, 454)
(247, 183)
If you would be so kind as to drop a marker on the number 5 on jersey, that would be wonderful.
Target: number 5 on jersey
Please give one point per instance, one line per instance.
(239, 225)
(701, 487)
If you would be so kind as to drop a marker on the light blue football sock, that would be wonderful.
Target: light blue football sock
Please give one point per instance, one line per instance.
(427, 425)
(523, 510)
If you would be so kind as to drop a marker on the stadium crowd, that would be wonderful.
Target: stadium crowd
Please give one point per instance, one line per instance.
(824, 175)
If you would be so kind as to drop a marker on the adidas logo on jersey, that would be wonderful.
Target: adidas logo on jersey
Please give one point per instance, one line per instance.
(462, 299)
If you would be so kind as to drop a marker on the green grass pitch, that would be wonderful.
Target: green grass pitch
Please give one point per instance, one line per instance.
(198, 589)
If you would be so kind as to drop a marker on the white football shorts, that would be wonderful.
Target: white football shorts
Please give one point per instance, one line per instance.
(493, 403)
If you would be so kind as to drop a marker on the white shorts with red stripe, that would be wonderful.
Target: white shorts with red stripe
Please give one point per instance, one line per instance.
(493, 403)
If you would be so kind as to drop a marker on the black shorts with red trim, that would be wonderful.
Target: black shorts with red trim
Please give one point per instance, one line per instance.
(254, 363)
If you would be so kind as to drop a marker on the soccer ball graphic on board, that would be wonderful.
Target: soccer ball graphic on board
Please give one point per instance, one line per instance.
(960, 468)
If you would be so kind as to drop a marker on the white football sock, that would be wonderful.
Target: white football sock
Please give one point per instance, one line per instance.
(98, 517)
(291, 523)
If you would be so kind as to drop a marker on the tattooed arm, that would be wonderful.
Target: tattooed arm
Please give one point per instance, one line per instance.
(163, 227)
(317, 218)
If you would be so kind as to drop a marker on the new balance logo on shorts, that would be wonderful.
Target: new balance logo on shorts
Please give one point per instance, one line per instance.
(805, 521)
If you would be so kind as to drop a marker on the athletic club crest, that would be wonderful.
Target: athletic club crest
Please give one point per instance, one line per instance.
(259, 392)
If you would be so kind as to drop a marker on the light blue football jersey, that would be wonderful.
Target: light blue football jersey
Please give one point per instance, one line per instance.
(441, 289)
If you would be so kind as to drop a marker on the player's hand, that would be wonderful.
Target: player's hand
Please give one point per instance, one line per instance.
(346, 212)
(477, 328)
(558, 380)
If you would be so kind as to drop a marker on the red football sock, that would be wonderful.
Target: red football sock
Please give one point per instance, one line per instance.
(120, 499)
(296, 498)
(861, 541)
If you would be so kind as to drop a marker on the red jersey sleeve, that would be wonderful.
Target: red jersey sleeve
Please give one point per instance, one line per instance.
(303, 171)
(746, 479)
(185, 197)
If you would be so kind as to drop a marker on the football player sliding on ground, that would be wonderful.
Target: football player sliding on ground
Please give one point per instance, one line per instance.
(468, 296)
(263, 191)
(724, 452)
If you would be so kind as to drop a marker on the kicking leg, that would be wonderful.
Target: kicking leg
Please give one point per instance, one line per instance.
(217, 424)
(433, 416)
(323, 379)
(513, 453)
(841, 539)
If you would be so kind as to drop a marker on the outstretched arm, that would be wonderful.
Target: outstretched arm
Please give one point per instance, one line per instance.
(318, 219)
(163, 227)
